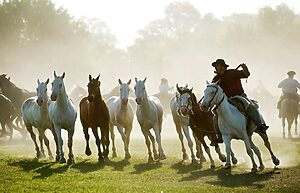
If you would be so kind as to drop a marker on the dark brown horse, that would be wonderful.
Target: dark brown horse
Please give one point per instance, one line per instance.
(94, 113)
(200, 122)
(17, 97)
(6, 111)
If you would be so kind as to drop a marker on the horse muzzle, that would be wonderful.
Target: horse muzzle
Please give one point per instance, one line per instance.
(53, 97)
(138, 101)
(124, 101)
(40, 102)
(184, 111)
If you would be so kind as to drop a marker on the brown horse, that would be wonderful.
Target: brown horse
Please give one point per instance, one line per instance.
(289, 110)
(94, 113)
(200, 122)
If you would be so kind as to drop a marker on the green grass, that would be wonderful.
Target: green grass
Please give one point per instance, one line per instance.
(20, 172)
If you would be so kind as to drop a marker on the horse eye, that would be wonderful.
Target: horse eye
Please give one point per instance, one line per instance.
(37, 89)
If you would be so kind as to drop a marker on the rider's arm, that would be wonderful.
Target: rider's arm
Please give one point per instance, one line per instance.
(245, 71)
(281, 84)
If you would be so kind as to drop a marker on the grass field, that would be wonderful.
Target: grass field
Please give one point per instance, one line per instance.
(20, 172)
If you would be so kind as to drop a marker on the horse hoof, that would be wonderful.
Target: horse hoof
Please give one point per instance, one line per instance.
(114, 155)
(51, 157)
(212, 166)
(194, 162)
(43, 155)
(101, 159)
(127, 156)
(222, 158)
(150, 159)
(38, 155)
(254, 169)
(261, 167)
(276, 161)
(227, 166)
(57, 158)
(162, 156)
(185, 156)
(202, 158)
(156, 157)
(88, 152)
(71, 161)
(62, 160)
(234, 160)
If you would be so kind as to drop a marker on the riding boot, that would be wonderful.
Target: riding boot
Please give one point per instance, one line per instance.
(255, 117)
(218, 138)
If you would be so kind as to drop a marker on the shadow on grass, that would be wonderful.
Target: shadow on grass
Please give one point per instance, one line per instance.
(183, 168)
(118, 165)
(143, 167)
(230, 179)
(45, 169)
(85, 166)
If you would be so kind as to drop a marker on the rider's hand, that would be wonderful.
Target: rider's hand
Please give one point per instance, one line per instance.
(243, 65)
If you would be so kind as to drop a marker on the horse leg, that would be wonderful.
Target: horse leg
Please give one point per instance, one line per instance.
(258, 154)
(105, 142)
(98, 143)
(178, 129)
(249, 152)
(199, 151)
(112, 136)
(207, 150)
(33, 137)
(120, 129)
(60, 145)
(222, 157)
(3, 131)
(268, 146)
(227, 142)
(71, 159)
(156, 157)
(87, 138)
(56, 144)
(290, 122)
(283, 126)
(127, 133)
(296, 123)
(233, 158)
(190, 143)
(147, 141)
(41, 138)
(157, 130)
(47, 143)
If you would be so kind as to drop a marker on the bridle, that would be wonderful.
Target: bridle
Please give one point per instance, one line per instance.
(188, 106)
(215, 93)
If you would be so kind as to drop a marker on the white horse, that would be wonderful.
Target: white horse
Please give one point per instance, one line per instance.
(121, 116)
(35, 114)
(149, 115)
(181, 122)
(232, 125)
(63, 115)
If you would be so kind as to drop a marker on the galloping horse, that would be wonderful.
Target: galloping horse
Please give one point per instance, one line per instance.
(200, 122)
(181, 122)
(149, 115)
(17, 97)
(94, 113)
(6, 112)
(121, 116)
(62, 115)
(289, 110)
(232, 125)
(35, 114)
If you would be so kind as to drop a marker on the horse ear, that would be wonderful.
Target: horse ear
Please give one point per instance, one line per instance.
(63, 76)
(178, 89)
(218, 82)
(135, 79)
(145, 79)
(8, 78)
(55, 76)
(129, 81)
(47, 81)
(98, 77)
(191, 89)
(120, 82)
(90, 77)
(38, 81)
(207, 82)
(186, 86)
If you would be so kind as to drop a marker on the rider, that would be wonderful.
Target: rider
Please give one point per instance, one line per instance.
(230, 82)
(164, 87)
(289, 88)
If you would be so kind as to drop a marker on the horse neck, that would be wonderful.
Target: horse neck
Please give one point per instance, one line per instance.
(195, 106)
(12, 92)
(98, 96)
(225, 107)
(62, 98)
(145, 101)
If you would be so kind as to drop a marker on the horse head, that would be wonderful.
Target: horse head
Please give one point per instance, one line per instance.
(4, 80)
(124, 91)
(42, 92)
(93, 88)
(57, 86)
(140, 90)
(213, 95)
(184, 99)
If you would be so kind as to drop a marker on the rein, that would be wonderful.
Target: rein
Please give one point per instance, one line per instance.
(219, 103)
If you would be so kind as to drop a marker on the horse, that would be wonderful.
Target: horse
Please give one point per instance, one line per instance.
(62, 115)
(182, 123)
(165, 99)
(94, 113)
(121, 116)
(6, 112)
(17, 97)
(200, 122)
(35, 114)
(149, 115)
(232, 125)
(289, 110)
(76, 94)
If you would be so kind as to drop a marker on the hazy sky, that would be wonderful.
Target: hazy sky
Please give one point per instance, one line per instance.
(125, 17)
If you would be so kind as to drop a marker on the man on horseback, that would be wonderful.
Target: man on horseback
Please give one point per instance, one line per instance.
(230, 82)
(164, 86)
(289, 88)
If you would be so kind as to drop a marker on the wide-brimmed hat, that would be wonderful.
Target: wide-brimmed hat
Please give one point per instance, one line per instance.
(291, 72)
(163, 80)
(219, 61)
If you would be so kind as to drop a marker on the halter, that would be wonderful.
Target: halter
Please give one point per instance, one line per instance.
(219, 103)
(189, 106)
